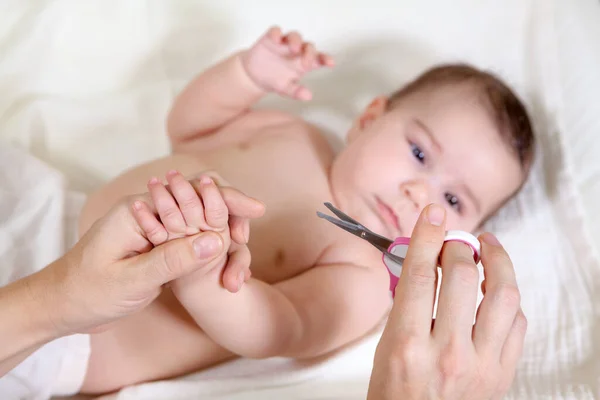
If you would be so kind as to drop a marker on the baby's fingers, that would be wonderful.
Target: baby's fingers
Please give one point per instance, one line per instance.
(325, 60)
(189, 203)
(240, 205)
(215, 209)
(294, 42)
(297, 91)
(237, 269)
(154, 231)
(274, 34)
(168, 210)
(309, 56)
(239, 229)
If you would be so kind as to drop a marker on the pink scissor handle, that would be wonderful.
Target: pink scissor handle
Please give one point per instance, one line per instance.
(400, 246)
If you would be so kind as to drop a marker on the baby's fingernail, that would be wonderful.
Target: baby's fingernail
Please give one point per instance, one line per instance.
(207, 245)
(172, 172)
(206, 180)
(490, 239)
(153, 181)
(436, 214)
(137, 205)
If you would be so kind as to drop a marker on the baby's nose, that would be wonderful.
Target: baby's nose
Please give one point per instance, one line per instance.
(417, 192)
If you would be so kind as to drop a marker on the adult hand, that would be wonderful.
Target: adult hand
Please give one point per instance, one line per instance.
(449, 357)
(113, 270)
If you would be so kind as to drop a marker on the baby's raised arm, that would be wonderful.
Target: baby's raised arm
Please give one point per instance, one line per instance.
(275, 63)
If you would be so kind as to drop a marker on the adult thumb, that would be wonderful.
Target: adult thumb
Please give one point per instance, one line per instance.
(179, 257)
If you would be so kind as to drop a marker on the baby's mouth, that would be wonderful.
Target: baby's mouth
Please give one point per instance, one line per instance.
(388, 217)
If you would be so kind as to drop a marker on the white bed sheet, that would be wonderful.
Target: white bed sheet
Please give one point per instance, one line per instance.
(86, 87)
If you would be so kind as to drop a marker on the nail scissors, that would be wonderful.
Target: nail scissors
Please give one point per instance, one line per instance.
(394, 251)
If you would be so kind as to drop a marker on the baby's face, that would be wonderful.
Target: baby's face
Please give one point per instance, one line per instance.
(436, 146)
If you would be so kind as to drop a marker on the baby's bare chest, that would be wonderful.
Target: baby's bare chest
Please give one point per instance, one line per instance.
(290, 177)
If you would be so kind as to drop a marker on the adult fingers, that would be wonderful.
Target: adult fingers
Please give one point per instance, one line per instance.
(415, 291)
(241, 205)
(502, 300)
(457, 300)
(176, 258)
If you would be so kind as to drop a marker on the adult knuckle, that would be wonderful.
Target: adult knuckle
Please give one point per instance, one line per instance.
(499, 256)
(173, 262)
(451, 364)
(521, 323)
(427, 242)
(421, 275)
(508, 294)
(407, 352)
(464, 271)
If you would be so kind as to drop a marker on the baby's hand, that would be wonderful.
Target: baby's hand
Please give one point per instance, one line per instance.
(185, 208)
(277, 62)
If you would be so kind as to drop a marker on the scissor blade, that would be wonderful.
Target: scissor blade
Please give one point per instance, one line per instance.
(347, 226)
(376, 240)
(341, 215)
(379, 242)
(397, 259)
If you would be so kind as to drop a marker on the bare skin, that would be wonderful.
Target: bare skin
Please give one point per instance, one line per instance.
(313, 288)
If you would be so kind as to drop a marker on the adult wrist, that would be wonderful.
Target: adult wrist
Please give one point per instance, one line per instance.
(25, 316)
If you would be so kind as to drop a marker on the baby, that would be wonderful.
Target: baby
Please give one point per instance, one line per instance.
(455, 136)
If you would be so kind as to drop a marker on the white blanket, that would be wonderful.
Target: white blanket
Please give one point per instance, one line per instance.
(85, 87)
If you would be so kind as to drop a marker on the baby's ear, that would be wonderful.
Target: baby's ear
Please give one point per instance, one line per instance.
(374, 110)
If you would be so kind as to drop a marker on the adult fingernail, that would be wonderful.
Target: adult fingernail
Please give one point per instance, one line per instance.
(491, 239)
(436, 214)
(207, 245)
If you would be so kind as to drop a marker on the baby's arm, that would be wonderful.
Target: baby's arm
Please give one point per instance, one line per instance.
(306, 316)
(274, 63)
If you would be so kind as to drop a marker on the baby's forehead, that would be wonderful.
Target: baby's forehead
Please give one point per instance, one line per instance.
(445, 95)
(446, 107)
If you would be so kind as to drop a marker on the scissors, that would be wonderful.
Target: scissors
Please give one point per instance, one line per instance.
(394, 251)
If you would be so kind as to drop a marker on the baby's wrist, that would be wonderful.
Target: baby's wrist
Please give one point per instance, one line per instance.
(248, 77)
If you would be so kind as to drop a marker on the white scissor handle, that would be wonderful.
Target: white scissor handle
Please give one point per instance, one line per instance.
(400, 246)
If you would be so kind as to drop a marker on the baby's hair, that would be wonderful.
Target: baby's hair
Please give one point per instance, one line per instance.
(508, 111)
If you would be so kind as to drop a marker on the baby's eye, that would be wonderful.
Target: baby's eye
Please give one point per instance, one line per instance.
(453, 201)
(417, 153)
